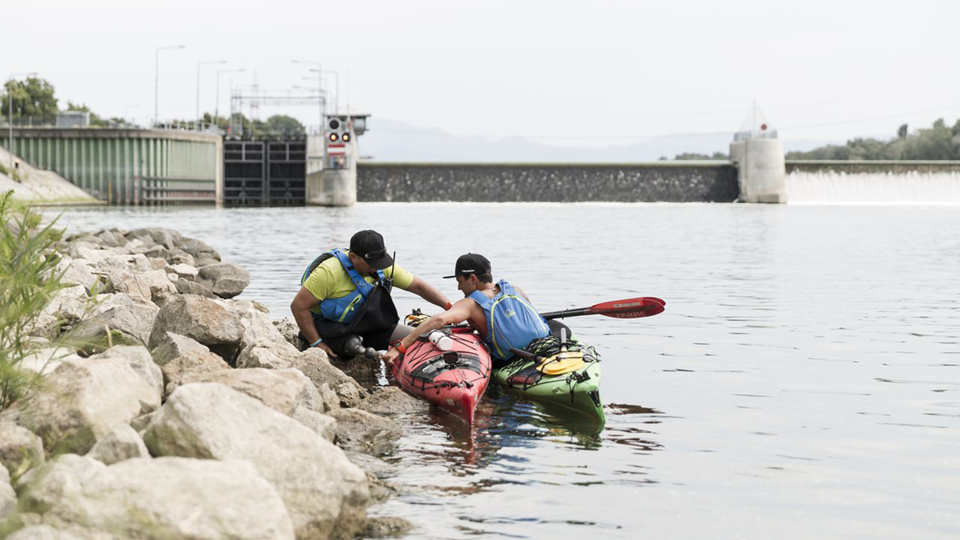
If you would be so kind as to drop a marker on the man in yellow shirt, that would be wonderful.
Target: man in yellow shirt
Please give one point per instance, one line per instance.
(346, 293)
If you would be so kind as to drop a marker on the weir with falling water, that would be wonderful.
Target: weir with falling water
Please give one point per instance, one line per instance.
(873, 182)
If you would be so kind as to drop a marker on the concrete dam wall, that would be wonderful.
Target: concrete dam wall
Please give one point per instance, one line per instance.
(705, 181)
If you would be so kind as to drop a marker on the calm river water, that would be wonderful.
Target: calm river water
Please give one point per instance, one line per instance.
(803, 382)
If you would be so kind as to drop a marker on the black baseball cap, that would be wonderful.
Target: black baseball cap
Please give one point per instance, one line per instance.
(471, 264)
(369, 245)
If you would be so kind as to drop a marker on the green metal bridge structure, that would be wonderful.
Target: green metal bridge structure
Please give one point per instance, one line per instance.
(129, 166)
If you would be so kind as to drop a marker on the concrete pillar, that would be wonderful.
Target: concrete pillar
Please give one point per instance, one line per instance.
(218, 171)
(331, 185)
(762, 172)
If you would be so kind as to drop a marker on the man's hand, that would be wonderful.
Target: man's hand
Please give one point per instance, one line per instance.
(326, 348)
(391, 355)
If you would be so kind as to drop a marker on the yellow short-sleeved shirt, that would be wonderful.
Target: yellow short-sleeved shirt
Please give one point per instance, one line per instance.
(331, 280)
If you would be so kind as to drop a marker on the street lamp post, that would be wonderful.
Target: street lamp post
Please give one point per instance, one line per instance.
(10, 114)
(336, 84)
(216, 109)
(156, 80)
(199, 119)
(319, 85)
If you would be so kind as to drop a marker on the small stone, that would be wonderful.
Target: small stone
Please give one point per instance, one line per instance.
(386, 527)
(122, 443)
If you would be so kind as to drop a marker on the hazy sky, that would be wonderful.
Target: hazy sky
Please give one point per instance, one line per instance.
(556, 71)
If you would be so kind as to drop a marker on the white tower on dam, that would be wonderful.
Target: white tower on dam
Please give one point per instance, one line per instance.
(332, 161)
(757, 153)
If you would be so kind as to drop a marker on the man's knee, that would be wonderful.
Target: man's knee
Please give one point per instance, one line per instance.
(400, 331)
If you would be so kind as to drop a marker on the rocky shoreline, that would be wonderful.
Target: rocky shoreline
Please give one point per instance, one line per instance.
(179, 411)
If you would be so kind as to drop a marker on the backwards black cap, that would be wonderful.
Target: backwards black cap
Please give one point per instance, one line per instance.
(471, 264)
(369, 245)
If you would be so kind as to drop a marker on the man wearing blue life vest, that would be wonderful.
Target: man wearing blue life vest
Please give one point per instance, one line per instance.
(501, 313)
(346, 293)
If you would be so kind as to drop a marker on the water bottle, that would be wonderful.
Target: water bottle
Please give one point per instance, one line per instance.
(440, 340)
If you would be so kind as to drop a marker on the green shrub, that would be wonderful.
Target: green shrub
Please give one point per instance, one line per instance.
(28, 281)
(14, 175)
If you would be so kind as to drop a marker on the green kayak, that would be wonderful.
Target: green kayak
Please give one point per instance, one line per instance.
(567, 378)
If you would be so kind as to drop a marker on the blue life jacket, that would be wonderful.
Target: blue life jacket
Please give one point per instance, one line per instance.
(511, 321)
(342, 310)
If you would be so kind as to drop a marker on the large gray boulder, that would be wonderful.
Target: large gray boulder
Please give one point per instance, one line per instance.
(133, 263)
(77, 272)
(82, 402)
(178, 256)
(8, 497)
(254, 318)
(361, 431)
(281, 390)
(46, 359)
(121, 444)
(288, 328)
(152, 236)
(315, 365)
(391, 400)
(63, 311)
(183, 271)
(227, 279)
(387, 527)
(156, 499)
(112, 238)
(138, 357)
(372, 465)
(20, 448)
(150, 285)
(41, 532)
(325, 493)
(176, 370)
(198, 249)
(170, 345)
(202, 320)
(185, 286)
(86, 251)
(269, 356)
(321, 424)
(128, 325)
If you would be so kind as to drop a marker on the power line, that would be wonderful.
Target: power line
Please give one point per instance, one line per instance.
(679, 134)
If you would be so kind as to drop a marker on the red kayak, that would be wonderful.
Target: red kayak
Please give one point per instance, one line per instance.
(453, 379)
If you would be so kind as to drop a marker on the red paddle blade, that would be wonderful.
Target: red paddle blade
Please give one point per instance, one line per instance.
(632, 308)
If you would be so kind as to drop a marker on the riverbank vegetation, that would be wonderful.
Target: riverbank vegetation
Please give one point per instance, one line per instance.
(938, 142)
(28, 281)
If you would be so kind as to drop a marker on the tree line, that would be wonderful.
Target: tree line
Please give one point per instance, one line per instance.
(35, 102)
(939, 142)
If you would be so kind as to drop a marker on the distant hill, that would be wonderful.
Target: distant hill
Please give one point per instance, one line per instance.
(390, 140)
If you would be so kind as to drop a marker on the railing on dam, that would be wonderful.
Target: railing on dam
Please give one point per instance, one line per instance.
(128, 166)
